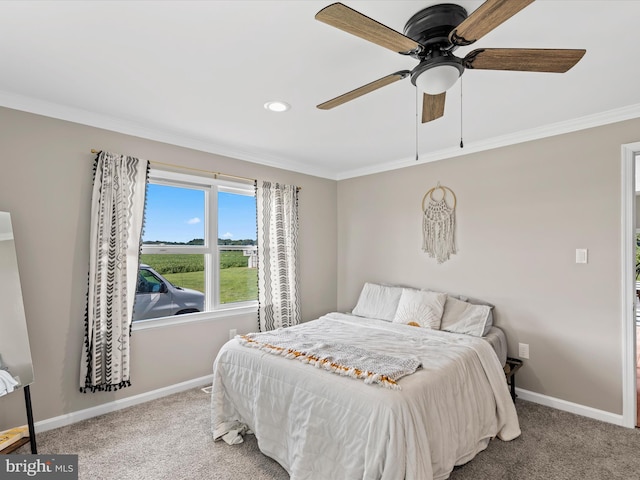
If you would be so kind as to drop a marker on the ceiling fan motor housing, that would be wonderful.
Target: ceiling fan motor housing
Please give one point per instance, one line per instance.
(431, 26)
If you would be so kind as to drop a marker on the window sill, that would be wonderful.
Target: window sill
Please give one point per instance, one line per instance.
(193, 317)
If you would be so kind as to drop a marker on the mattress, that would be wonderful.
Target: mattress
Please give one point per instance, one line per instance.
(498, 341)
(319, 425)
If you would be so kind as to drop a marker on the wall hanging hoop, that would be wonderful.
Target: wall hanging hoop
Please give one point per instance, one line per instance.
(439, 223)
(444, 191)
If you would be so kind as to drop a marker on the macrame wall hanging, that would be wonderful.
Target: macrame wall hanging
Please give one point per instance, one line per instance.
(439, 223)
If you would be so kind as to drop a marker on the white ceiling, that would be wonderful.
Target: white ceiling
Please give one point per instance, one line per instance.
(197, 74)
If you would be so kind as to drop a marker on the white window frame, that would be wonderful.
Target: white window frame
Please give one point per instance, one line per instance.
(211, 187)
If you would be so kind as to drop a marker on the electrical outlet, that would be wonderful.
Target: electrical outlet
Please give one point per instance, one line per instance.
(523, 350)
(232, 333)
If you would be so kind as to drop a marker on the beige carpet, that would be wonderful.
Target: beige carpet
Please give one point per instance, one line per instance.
(169, 439)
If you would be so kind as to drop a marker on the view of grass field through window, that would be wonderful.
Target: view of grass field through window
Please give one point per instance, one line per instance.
(238, 281)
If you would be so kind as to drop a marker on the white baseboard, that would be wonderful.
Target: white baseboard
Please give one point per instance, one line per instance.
(571, 407)
(70, 418)
(73, 417)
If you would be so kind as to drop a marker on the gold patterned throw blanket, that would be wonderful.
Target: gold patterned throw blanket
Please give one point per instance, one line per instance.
(339, 358)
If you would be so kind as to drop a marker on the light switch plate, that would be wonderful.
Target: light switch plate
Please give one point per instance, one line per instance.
(581, 255)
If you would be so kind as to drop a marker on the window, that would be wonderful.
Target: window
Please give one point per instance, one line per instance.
(199, 249)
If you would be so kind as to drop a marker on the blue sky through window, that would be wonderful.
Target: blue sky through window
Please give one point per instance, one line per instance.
(236, 216)
(176, 214)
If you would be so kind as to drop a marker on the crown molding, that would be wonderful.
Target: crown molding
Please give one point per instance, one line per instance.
(604, 118)
(84, 117)
(106, 122)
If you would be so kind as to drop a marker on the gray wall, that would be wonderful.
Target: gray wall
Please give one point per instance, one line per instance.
(522, 211)
(45, 182)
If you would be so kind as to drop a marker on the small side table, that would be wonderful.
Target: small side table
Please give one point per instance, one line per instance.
(510, 368)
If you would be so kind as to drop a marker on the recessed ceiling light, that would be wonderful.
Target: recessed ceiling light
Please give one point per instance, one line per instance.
(277, 106)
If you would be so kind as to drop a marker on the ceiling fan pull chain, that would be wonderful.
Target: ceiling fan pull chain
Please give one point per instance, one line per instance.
(417, 122)
(461, 142)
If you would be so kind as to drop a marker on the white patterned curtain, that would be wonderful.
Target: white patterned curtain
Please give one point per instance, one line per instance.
(117, 211)
(277, 209)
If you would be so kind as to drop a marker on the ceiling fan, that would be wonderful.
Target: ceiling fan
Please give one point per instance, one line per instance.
(431, 35)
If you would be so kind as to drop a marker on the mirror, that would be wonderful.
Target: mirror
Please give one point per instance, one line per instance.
(15, 353)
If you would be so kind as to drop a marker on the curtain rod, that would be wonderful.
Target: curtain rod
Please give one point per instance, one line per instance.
(215, 174)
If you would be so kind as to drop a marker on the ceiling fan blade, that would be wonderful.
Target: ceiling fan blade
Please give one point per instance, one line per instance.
(484, 19)
(368, 88)
(353, 22)
(432, 106)
(524, 59)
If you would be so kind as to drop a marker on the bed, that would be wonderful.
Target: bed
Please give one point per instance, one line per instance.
(321, 425)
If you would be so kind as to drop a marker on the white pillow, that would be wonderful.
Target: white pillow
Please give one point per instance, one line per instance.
(421, 308)
(378, 301)
(464, 317)
(476, 301)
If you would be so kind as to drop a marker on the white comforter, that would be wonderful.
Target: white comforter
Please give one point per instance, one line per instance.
(321, 426)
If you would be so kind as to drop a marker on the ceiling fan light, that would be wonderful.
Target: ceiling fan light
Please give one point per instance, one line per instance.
(437, 79)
